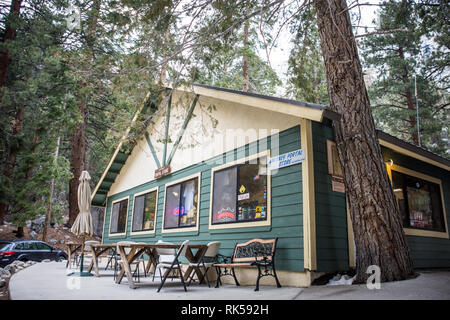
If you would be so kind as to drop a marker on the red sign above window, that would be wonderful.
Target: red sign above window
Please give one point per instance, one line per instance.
(161, 172)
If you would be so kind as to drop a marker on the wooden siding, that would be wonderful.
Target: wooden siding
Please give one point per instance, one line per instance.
(286, 195)
(331, 214)
(427, 252)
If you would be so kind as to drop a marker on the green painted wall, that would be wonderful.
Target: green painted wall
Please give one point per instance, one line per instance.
(331, 214)
(287, 220)
(426, 252)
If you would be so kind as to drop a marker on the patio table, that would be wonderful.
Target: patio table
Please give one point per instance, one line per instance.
(97, 251)
(72, 247)
(150, 249)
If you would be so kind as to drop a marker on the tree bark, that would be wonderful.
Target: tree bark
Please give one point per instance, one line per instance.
(17, 125)
(9, 34)
(378, 232)
(409, 100)
(77, 162)
(246, 81)
(79, 144)
(5, 60)
(52, 184)
(164, 65)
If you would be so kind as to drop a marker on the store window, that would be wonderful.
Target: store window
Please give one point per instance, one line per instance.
(181, 205)
(240, 192)
(119, 216)
(419, 201)
(144, 212)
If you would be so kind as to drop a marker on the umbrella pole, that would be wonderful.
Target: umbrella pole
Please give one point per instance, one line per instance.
(81, 273)
(82, 254)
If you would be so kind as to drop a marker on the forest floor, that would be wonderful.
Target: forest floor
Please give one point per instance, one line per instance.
(61, 234)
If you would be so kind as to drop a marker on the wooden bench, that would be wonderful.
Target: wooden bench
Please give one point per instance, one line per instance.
(254, 253)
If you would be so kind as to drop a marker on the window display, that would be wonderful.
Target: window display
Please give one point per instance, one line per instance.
(181, 205)
(144, 212)
(419, 202)
(240, 192)
(119, 216)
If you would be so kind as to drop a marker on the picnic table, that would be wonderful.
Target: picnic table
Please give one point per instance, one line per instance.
(72, 247)
(136, 250)
(97, 251)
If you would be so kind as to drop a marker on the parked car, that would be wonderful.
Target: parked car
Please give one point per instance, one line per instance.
(25, 250)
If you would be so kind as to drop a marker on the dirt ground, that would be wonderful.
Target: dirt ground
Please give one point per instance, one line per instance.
(59, 233)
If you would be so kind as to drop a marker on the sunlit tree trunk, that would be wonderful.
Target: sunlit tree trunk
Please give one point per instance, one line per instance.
(379, 236)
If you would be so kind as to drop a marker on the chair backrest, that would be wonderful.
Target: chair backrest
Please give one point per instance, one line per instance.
(183, 249)
(213, 249)
(87, 244)
(127, 250)
(165, 251)
(165, 254)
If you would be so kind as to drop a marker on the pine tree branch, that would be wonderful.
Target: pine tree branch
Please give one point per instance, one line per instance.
(382, 32)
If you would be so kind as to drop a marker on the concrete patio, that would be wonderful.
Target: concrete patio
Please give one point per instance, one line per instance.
(49, 281)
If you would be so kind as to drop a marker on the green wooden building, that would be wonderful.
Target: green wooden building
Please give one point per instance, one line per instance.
(223, 165)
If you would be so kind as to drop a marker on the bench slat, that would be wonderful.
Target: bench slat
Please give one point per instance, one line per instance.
(234, 265)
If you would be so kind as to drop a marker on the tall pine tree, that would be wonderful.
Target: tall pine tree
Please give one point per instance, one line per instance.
(409, 73)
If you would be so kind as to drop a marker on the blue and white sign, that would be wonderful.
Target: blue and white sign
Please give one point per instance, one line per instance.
(286, 159)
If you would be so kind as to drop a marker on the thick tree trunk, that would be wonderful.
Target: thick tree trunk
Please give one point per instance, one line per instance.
(8, 35)
(79, 149)
(378, 231)
(17, 125)
(246, 81)
(5, 60)
(409, 100)
(52, 184)
(77, 162)
(164, 65)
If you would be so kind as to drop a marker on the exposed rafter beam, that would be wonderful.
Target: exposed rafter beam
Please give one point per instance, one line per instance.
(166, 136)
(150, 145)
(183, 128)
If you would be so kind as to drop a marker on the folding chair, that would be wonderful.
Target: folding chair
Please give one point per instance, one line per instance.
(206, 261)
(164, 256)
(175, 265)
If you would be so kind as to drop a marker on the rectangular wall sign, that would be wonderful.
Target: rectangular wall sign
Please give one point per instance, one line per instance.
(286, 159)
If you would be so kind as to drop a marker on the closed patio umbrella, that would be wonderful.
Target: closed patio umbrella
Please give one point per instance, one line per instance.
(83, 223)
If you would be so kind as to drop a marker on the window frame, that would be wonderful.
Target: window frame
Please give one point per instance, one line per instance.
(115, 234)
(412, 173)
(243, 224)
(331, 160)
(156, 211)
(189, 228)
